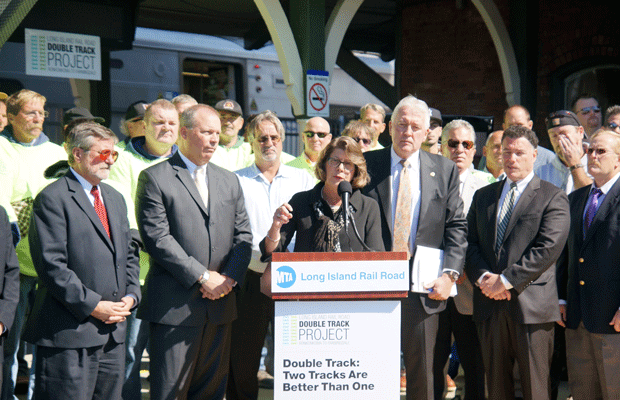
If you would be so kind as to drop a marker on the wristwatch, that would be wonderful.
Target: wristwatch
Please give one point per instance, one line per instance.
(574, 167)
(453, 275)
(204, 278)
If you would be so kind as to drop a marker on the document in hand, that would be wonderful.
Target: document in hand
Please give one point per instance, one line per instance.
(427, 266)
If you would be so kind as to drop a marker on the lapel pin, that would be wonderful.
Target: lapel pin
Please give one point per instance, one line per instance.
(432, 173)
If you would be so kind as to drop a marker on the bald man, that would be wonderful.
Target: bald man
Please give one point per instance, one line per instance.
(316, 135)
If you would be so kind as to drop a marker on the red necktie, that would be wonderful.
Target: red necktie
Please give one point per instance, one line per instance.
(100, 209)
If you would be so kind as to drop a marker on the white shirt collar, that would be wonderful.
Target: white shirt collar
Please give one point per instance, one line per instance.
(414, 159)
(607, 186)
(522, 183)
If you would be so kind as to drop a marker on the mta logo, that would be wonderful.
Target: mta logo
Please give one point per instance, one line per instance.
(286, 277)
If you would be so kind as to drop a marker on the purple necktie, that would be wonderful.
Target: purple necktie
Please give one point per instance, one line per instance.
(591, 212)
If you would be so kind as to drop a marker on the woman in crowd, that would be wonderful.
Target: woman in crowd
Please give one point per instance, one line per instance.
(316, 215)
(361, 133)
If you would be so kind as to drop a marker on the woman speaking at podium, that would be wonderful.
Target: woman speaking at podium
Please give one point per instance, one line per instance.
(320, 217)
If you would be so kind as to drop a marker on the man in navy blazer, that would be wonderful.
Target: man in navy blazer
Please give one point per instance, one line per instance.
(436, 221)
(590, 301)
(192, 219)
(88, 270)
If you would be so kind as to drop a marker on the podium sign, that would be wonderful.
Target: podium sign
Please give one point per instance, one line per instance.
(337, 350)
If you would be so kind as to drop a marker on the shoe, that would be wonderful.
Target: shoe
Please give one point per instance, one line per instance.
(22, 380)
(450, 384)
(265, 381)
(403, 381)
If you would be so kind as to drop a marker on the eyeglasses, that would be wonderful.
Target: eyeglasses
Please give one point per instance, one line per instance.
(335, 163)
(264, 139)
(613, 125)
(366, 142)
(33, 114)
(467, 144)
(105, 154)
(321, 135)
(599, 152)
(587, 110)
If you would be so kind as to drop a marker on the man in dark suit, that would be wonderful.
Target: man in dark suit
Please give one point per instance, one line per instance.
(517, 229)
(194, 225)
(422, 209)
(9, 281)
(590, 302)
(87, 264)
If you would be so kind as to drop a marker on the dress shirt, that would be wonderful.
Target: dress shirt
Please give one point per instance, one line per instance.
(557, 173)
(263, 198)
(414, 176)
(605, 189)
(87, 188)
(191, 167)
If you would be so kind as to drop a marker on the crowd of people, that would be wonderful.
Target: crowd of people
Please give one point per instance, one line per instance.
(160, 241)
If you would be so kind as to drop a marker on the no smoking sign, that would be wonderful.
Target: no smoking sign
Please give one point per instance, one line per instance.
(317, 99)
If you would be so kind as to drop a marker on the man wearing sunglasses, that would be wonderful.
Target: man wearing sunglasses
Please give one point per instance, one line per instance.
(88, 270)
(316, 135)
(25, 153)
(612, 118)
(458, 144)
(588, 111)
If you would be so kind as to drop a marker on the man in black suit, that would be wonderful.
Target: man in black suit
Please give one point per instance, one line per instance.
(517, 229)
(423, 209)
(87, 264)
(194, 225)
(9, 281)
(590, 303)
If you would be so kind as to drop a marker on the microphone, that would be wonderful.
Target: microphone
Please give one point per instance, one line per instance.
(344, 191)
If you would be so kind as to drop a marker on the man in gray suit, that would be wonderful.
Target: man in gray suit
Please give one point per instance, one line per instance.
(421, 209)
(458, 143)
(88, 269)
(517, 229)
(192, 219)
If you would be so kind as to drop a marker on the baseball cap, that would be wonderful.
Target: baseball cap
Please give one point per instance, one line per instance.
(3, 96)
(136, 110)
(561, 118)
(436, 115)
(80, 112)
(228, 105)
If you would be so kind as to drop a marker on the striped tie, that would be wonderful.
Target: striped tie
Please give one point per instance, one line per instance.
(504, 215)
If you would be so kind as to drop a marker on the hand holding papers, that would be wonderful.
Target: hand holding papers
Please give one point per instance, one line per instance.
(427, 266)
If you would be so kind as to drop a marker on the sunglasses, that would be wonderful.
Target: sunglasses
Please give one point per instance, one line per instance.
(467, 144)
(613, 125)
(265, 139)
(366, 142)
(321, 135)
(586, 110)
(105, 154)
(599, 152)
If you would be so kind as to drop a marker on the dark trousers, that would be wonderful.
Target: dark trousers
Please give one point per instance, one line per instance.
(503, 341)
(255, 311)
(80, 374)
(418, 336)
(189, 362)
(451, 322)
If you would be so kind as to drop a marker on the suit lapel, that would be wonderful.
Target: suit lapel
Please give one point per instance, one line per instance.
(578, 215)
(114, 216)
(384, 170)
(492, 210)
(428, 185)
(182, 173)
(609, 203)
(82, 201)
(522, 205)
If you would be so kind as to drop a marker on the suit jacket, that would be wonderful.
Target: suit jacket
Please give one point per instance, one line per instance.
(441, 222)
(185, 238)
(464, 300)
(9, 274)
(78, 265)
(593, 260)
(533, 241)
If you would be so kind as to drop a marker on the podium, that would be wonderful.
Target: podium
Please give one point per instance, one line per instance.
(337, 324)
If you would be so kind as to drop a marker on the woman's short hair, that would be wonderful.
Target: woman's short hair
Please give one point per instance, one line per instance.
(353, 152)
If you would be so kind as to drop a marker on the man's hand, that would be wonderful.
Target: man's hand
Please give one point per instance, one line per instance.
(128, 302)
(217, 286)
(111, 312)
(570, 152)
(562, 321)
(1, 328)
(440, 288)
(615, 322)
(493, 287)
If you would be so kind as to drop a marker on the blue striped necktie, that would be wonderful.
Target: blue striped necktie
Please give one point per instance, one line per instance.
(504, 215)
